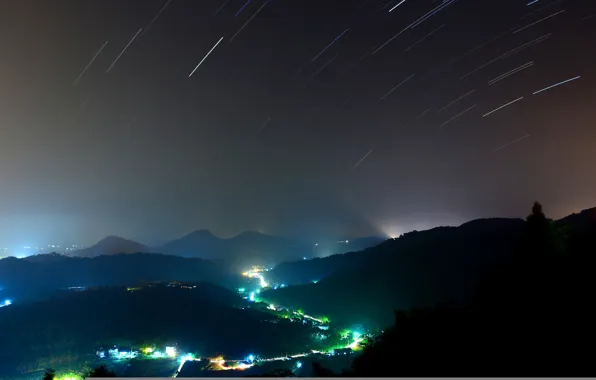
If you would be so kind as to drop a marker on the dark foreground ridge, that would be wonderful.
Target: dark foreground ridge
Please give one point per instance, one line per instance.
(532, 315)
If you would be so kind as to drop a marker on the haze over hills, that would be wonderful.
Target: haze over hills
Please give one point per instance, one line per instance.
(254, 248)
(111, 245)
(248, 248)
(245, 249)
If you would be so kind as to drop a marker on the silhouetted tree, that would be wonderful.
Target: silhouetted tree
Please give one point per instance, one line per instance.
(49, 374)
(533, 308)
(101, 371)
(541, 236)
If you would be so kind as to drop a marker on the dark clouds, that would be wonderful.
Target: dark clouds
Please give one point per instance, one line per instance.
(73, 167)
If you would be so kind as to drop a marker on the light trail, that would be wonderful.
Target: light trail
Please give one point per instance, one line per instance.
(242, 8)
(400, 3)
(205, 57)
(89, 64)
(478, 47)
(123, 50)
(456, 100)
(264, 124)
(424, 38)
(513, 142)
(417, 118)
(414, 24)
(248, 21)
(156, 17)
(539, 21)
(509, 53)
(456, 116)
(438, 9)
(362, 159)
(328, 46)
(503, 106)
(509, 73)
(389, 40)
(556, 85)
(324, 66)
(542, 8)
(532, 2)
(221, 8)
(396, 87)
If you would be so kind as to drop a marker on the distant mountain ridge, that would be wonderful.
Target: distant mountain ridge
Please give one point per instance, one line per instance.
(250, 248)
(243, 250)
(111, 245)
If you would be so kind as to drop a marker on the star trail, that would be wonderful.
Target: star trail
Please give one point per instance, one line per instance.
(264, 133)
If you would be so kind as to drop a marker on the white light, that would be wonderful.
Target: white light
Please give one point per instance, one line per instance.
(171, 351)
(556, 85)
(400, 3)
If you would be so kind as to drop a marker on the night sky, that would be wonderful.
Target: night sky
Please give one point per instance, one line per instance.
(269, 133)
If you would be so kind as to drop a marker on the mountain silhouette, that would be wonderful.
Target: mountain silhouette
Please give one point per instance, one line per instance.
(199, 243)
(111, 245)
(417, 269)
(37, 277)
(246, 249)
(254, 248)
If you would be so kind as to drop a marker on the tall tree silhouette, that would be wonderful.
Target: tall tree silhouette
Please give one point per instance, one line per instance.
(101, 371)
(49, 374)
(541, 236)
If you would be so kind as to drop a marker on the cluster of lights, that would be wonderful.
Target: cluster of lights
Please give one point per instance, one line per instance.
(257, 272)
(220, 364)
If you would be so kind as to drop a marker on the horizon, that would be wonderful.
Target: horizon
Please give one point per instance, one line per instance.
(19, 251)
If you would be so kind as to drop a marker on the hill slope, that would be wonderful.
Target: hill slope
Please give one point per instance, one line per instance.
(110, 245)
(419, 268)
(23, 278)
(66, 331)
(250, 248)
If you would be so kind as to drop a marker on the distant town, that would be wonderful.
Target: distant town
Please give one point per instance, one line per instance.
(30, 250)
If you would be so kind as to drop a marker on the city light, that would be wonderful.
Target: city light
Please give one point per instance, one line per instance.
(187, 357)
(171, 351)
(157, 354)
